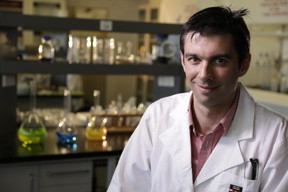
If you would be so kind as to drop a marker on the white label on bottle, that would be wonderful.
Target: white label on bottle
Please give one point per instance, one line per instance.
(106, 25)
(166, 81)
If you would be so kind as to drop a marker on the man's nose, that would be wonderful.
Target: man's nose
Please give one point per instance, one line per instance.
(205, 71)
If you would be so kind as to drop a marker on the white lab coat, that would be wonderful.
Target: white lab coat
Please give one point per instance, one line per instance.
(157, 157)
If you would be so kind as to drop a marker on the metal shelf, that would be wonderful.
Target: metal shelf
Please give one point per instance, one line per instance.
(65, 24)
(10, 68)
(15, 67)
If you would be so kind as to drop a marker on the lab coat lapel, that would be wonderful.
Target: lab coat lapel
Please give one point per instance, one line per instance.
(176, 140)
(225, 155)
(227, 152)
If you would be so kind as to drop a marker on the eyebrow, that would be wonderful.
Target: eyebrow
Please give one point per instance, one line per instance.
(227, 56)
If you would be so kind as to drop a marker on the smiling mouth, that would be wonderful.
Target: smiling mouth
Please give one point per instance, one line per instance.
(207, 89)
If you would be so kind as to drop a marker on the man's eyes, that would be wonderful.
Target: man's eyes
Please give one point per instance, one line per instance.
(220, 61)
(194, 60)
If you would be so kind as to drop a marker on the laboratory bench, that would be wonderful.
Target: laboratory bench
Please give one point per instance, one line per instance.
(50, 166)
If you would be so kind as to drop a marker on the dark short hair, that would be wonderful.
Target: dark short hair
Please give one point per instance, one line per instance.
(219, 21)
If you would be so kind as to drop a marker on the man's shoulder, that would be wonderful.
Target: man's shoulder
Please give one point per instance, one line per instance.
(263, 110)
(176, 98)
(272, 120)
(171, 102)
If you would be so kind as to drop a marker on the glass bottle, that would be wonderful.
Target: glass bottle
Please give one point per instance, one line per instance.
(97, 50)
(73, 47)
(66, 131)
(109, 48)
(121, 57)
(84, 52)
(129, 52)
(32, 129)
(97, 127)
(46, 50)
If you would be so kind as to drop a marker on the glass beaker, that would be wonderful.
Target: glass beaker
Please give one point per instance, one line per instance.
(66, 131)
(32, 129)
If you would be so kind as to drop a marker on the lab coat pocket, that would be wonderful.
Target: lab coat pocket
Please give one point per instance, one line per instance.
(226, 181)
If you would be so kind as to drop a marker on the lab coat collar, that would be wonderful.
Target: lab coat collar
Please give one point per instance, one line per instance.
(227, 152)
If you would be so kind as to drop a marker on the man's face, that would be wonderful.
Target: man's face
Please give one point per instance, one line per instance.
(211, 66)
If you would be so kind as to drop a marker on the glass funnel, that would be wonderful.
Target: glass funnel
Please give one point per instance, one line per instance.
(96, 128)
(66, 131)
(32, 129)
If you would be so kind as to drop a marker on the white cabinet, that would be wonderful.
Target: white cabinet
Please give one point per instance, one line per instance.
(72, 176)
(64, 188)
(19, 178)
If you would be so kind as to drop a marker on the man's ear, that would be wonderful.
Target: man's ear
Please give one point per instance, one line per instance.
(245, 65)
(182, 60)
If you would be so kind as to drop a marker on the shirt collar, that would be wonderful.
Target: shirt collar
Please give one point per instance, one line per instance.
(226, 121)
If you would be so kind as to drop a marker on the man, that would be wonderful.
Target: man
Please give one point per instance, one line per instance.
(215, 138)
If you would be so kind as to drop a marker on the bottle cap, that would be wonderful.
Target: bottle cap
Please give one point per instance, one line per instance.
(46, 37)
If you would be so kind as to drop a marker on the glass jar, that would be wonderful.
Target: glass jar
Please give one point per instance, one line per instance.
(46, 50)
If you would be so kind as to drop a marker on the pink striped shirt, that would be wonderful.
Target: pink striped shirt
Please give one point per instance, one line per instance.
(203, 145)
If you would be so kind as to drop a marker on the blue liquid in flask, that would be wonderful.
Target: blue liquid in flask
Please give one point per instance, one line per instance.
(66, 138)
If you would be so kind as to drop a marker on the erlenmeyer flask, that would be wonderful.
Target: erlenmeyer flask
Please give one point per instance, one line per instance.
(32, 129)
(66, 131)
(96, 128)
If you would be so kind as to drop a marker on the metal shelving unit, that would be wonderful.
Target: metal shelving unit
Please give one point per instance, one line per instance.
(17, 66)
(66, 24)
(10, 68)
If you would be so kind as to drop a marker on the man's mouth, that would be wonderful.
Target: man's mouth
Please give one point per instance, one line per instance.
(207, 89)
